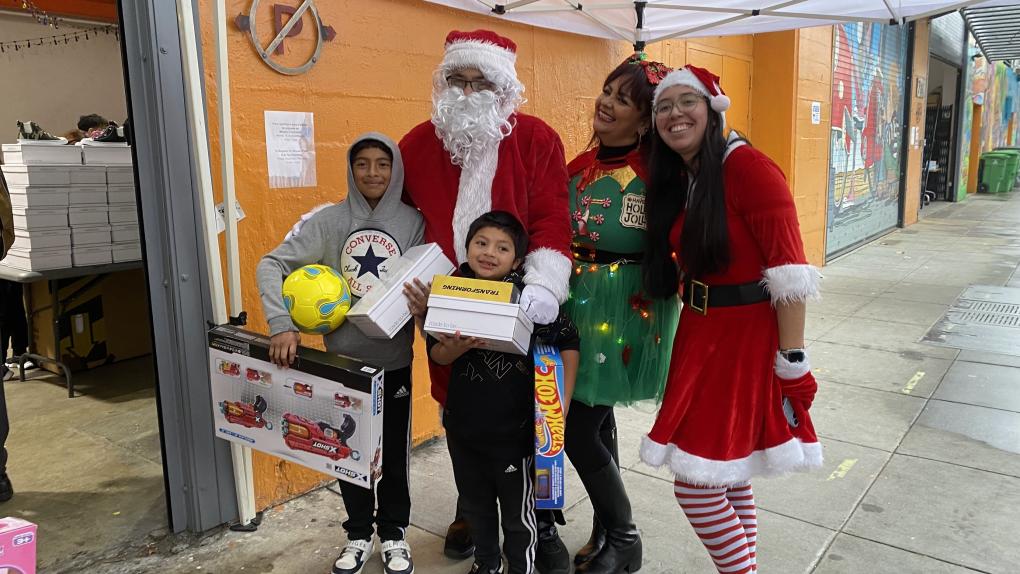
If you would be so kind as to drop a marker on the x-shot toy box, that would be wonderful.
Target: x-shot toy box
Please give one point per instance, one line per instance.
(487, 310)
(324, 412)
(550, 425)
(383, 310)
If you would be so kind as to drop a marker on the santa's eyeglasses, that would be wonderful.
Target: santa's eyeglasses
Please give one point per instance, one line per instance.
(481, 85)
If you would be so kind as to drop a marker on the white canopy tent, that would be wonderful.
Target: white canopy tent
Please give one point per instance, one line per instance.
(647, 21)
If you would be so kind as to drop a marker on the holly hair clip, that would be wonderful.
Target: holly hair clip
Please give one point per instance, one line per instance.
(654, 71)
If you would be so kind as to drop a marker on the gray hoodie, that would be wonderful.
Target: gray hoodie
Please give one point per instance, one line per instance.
(352, 238)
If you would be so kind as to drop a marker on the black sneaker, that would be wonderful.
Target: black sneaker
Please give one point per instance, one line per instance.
(459, 545)
(6, 489)
(352, 560)
(396, 557)
(551, 556)
(32, 131)
(477, 568)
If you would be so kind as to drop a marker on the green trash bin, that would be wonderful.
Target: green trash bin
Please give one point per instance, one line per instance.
(993, 171)
(1012, 166)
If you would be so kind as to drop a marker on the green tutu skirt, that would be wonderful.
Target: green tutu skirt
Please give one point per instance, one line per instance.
(626, 337)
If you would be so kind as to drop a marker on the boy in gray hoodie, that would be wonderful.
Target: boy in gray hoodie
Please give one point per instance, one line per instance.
(354, 237)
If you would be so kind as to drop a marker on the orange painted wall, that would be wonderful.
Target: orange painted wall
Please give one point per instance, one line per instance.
(775, 87)
(811, 141)
(376, 75)
(918, 109)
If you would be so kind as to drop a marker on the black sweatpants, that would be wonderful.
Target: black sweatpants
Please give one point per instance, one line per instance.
(492, 487)
(13, 324)
(584, 442)
(388, 509)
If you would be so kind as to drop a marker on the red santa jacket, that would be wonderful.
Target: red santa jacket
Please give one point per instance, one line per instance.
(530, 182)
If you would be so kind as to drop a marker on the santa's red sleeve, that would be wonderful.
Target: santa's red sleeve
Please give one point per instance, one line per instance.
(548, 262)
(762, 198)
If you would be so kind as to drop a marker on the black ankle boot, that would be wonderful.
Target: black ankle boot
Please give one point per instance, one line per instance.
(551, 556)
(458, 544)
(622, 551)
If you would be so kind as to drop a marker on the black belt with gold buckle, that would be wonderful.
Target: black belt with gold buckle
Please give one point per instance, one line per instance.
(591, 255)
(700, 296)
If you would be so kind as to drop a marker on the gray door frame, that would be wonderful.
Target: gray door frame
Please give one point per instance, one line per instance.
(197, 467)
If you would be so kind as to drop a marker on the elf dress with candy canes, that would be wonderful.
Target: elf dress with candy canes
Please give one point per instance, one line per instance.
(722, 419)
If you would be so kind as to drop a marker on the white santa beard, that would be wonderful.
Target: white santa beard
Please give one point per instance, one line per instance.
(474, 196)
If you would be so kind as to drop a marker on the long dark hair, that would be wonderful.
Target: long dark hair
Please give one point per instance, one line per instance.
(635, 85)
(704, 242)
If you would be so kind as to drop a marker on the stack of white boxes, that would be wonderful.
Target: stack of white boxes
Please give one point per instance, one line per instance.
(68, 214)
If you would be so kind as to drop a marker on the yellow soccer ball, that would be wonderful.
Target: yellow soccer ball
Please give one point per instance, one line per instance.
(318, 299)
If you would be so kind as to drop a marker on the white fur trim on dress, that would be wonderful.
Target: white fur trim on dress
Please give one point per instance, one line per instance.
(792, 455)
(792, 283)
(789, 371)
(474, 197)
(550, 269)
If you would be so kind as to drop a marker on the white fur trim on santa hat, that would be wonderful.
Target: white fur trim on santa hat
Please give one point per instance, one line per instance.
(792, 283)
(792, 455)
(684, 77)
(496, 62)
(550, 269)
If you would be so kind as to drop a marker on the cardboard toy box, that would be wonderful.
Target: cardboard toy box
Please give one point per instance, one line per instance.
(550, 425)
(17, 546)
(383, 310)
(478, 308)
(325, 412)
(103, 319)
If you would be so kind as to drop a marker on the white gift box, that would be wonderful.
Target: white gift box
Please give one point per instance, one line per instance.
(124, 232)
(120, 175)
(130, 251)
(90, 235)
(34, 196)
(108, 154)
(121, 194)
(39, 217)
(487, 310)
(325, 412)
(26, 239)
(38, 259)
(91, 255)
(87, 195)
(122, 213)
(89, 215)
(383, 310)
(41, 154)
(42, 175)
(88, 175)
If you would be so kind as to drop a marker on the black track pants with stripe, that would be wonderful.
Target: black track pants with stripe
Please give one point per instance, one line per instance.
(389, 507)
(491, 487)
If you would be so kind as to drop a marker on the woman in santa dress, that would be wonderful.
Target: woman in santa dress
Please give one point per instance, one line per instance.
(722, 226)
(625, 336)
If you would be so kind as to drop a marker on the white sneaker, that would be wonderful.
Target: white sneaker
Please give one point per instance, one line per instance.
(29, 364)
(354, 557)
(396, 557)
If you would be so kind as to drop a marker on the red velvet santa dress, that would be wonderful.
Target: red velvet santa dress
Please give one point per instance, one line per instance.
(722, 419)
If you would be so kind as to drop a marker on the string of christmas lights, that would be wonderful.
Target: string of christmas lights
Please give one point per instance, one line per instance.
(80, 35)
(40, 15)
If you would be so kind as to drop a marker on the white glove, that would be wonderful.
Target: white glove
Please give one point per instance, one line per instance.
(296, 230)
(539, 304)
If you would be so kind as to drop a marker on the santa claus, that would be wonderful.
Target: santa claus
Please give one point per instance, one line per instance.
(479, 153)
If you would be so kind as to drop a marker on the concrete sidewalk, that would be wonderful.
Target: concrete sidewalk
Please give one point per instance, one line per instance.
(922, 471)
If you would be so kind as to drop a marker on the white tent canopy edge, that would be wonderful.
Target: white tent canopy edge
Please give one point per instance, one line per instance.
(647, 21)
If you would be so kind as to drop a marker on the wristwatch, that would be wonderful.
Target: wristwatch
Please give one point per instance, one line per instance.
(793, 355)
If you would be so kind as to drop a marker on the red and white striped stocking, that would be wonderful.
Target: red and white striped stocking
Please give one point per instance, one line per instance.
(718, 525)
(742, 499)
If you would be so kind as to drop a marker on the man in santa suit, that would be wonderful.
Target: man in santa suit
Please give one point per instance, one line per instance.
(479, 153)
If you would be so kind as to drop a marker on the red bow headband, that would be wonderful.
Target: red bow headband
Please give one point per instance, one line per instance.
(654, 71)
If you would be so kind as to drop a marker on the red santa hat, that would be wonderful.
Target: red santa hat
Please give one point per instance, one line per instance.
(700, 80)
(494, 55)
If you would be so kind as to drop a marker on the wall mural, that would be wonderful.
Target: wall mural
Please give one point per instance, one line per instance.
(867, 124)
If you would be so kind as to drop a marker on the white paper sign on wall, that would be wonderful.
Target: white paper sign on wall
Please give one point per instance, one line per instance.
(290, 147)
(816, 113)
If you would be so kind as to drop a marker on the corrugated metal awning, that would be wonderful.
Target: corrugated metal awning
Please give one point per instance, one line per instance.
(997, 31)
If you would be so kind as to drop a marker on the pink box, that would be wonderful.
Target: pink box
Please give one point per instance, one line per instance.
(17, 546)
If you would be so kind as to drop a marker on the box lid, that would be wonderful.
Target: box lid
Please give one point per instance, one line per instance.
(481, 307)
(18, 168)
(39, 210)
(414, 262)
(43, 232)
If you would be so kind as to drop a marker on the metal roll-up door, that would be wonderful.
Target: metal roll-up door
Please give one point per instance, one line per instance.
(868, 68)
